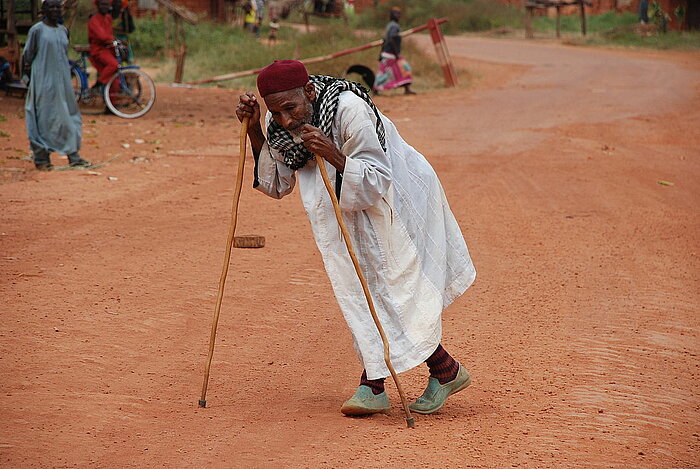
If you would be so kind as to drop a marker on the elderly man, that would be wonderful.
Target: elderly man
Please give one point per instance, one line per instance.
(52, 115)
(407, 240)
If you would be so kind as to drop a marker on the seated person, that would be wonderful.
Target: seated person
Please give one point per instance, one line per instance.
(5, 73)
(101, 39)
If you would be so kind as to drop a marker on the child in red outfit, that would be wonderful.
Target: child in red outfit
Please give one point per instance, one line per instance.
(101, 38)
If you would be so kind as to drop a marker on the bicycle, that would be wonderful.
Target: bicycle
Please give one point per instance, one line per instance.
(129, 93)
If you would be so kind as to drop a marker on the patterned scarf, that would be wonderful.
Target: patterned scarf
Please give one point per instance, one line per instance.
(328, 90)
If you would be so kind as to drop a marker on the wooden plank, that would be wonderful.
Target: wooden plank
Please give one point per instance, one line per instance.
(178, 10)
(558, 22)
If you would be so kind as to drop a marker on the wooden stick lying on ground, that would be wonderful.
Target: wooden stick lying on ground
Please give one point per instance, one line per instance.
(227, 256)
(410, 422)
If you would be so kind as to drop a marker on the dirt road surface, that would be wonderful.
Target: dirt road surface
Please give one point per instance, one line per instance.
(574, 174)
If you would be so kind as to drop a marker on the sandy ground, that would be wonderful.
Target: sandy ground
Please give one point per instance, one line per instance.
(581, 331)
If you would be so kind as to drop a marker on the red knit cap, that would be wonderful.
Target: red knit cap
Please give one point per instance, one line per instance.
(282, 75)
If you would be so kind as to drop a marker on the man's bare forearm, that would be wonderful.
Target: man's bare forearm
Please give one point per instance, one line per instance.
(257, 138)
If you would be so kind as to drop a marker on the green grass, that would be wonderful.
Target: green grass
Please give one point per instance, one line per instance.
(595, 23)
(612, 29)
(215, 49)
(238, 50)
(464, 15)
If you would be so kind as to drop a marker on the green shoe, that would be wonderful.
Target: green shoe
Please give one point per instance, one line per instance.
(364, 402)
(436, 394)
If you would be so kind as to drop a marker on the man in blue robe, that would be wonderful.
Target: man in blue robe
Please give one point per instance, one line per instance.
(53, 119)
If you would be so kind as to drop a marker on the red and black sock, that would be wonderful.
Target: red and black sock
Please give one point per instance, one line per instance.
(376, 385)
(442, 366)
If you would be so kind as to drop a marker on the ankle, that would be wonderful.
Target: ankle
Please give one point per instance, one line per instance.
(376, 385)
(442, 366)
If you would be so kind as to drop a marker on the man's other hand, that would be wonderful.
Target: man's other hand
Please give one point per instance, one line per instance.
(317, 142)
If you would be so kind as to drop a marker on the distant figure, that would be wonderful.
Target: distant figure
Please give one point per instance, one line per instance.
(249, 16)
(274, 27)
(644, 11)
(53, 119)
(394, 70)
(5, 73)
(324, 6)
(259, 15)
(101, 39)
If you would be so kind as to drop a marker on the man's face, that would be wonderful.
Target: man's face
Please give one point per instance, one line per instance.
(103, 6)
(52, 10)
(292, 109)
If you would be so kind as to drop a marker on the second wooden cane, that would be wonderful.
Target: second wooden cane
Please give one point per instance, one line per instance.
(227, 256)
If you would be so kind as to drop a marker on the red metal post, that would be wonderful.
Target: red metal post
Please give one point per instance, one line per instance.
(442, 53)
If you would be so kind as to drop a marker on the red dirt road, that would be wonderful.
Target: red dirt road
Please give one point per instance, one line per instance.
(581, 331)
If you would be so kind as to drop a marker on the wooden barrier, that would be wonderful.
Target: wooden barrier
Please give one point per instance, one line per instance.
(435, 32)
(179, 40)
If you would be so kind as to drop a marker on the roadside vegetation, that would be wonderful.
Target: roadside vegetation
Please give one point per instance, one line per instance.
(464, 15)
(215, 49)
(619, 29)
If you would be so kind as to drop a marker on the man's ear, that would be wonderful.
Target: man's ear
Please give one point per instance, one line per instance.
(310, 91)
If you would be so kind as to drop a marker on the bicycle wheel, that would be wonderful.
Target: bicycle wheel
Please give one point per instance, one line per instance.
(130, 93)
(88, 102)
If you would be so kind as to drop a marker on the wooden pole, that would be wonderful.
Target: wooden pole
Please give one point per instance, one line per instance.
(528, 22)
(441, 51)
(12, 41)
(582, 4)
(227, 257)
(180, 44)
(558, 21)
(410, 422)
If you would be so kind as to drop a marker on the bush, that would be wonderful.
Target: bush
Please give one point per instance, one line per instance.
(464, 15)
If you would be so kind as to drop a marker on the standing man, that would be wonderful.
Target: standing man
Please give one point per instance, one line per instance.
(394, 70)
(101, 39)
(53, 118)
(408, 242)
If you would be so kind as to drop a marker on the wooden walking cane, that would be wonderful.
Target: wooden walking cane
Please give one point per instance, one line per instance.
(410, 422)
(227, 256)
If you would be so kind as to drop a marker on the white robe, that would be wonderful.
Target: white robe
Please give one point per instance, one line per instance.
(405, 237)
